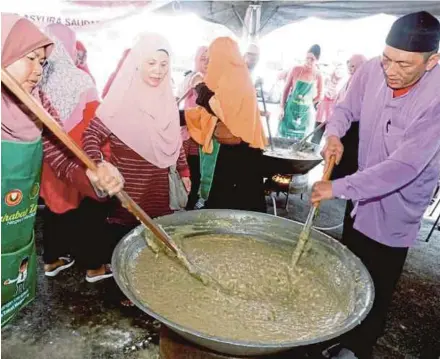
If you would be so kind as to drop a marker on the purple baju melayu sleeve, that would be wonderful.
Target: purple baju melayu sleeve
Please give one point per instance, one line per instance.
(420, 143)
(399, 153)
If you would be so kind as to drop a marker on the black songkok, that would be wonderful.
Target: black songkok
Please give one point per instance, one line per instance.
(416, 32)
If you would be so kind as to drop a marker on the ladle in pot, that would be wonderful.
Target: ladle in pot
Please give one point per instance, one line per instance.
(301, 145)
(305, 232)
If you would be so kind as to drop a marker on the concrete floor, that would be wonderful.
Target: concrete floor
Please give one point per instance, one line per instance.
(72, 319)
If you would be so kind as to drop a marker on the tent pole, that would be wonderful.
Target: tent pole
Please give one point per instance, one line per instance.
(251, 24)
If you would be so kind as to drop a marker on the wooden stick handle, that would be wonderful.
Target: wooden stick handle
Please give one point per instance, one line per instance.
(145, 219)
(326, 176)
(331, 164)
(59, 132)
(45, 118)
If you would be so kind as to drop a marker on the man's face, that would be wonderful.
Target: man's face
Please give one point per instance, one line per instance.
(251, 60)
(403, 69)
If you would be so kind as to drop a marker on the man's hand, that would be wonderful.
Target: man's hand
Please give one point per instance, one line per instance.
(333, 147)
(106, 178)
(187, 183)
(321, 190)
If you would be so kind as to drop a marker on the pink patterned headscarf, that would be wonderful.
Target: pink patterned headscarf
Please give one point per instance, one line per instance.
(66, 35)
(68, 88)
(145, 118)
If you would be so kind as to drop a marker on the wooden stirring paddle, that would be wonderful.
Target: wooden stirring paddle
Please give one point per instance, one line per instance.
(125, 199)
(305, 233)
(53, 126)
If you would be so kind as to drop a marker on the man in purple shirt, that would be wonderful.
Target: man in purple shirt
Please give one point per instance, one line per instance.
(396, 99)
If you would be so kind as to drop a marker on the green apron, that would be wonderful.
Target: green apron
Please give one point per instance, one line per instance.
(21, 168)
(207, 169)
(298, 111)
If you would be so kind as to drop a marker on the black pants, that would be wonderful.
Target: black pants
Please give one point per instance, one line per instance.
(194, 166)
(349, 161)
(317, 137)
(79, 232)
(238, 180)
(385, 265)
(115, 232)
(57, 235)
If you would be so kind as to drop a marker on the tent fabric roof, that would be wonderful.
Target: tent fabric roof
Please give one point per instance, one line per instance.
(275, 14)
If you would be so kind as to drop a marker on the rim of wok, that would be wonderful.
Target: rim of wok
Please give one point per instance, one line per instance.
(356, 318)
(282, 143)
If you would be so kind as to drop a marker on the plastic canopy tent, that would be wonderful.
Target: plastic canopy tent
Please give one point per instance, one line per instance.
(232, 14)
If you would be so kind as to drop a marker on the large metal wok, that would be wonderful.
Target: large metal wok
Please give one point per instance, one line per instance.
(266, 228)
(275, 165)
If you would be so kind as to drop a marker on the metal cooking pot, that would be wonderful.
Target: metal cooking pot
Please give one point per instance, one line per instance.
(275, 165)
(266, 228)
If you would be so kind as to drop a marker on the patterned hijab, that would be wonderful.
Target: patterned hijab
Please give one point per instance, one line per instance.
(68, 88)
(66, 35)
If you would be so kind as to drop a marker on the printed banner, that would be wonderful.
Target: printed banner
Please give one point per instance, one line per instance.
(68, 21)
